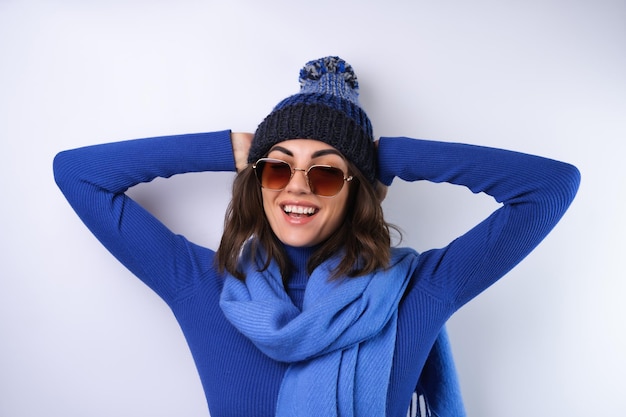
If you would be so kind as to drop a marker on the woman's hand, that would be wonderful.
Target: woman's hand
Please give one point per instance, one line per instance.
(241, 146)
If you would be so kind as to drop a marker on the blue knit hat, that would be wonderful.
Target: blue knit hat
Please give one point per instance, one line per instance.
(325, 109)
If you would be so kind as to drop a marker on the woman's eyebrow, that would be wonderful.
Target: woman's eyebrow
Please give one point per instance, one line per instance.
(281, 149)
(315, 154)
(323, 152)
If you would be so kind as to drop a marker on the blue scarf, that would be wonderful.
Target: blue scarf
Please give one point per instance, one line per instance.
(340, 346)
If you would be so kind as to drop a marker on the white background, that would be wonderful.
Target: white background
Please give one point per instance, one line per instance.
(79, 336)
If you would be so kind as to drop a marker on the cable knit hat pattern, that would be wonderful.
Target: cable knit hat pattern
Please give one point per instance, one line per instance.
(325, 109)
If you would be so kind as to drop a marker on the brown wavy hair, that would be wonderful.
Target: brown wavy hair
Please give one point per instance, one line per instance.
(363, 237)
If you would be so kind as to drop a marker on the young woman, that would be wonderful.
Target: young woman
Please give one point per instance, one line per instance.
(305, 309)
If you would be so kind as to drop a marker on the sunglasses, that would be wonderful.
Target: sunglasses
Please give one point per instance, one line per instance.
(323, 180)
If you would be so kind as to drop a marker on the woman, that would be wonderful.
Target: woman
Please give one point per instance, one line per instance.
(305, 309)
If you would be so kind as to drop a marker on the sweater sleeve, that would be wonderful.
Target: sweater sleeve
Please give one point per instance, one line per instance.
(535, 192)
(94, 179)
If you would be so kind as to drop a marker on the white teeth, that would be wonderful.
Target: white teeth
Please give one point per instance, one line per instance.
(299, 210)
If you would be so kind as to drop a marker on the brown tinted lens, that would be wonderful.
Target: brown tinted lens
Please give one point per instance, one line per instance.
(325, 181)
(274, 175)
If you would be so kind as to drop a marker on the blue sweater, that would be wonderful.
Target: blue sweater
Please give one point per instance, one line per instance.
(237, 378)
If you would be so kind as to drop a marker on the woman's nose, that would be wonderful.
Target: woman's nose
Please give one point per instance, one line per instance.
(298, 182)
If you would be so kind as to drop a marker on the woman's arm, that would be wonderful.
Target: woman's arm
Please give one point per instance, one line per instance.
(94, 180)
(535, 193)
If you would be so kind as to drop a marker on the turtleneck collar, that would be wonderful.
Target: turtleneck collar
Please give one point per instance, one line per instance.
(296, 283)
(299, 256)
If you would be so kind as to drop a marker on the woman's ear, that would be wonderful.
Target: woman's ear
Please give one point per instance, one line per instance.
(381, 190)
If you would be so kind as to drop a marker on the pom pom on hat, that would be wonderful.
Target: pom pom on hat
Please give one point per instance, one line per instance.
(330, 75)
(325, 109)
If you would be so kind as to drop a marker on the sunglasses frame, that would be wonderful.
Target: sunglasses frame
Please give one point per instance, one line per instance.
(293, 170)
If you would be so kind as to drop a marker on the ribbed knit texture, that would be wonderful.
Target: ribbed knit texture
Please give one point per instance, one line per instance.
(306, 117)
(237, 378)
(340, 344)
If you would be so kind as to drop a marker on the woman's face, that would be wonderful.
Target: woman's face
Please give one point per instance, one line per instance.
(296, 215)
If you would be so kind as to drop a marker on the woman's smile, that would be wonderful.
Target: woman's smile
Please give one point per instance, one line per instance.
(299, 214)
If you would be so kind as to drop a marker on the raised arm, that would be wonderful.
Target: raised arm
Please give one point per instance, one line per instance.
(94, 180)
(535, 193)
